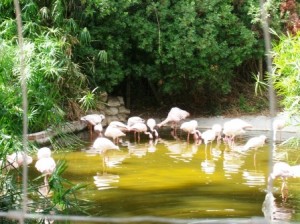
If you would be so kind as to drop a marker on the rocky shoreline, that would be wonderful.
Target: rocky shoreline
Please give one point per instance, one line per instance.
(260, 123)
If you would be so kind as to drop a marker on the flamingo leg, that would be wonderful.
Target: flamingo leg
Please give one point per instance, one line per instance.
(284, 191)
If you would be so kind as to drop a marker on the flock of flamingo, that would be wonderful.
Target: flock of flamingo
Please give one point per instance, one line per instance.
(110, 137)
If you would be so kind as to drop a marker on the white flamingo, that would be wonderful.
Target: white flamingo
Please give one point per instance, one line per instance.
(278, 125)
(98, 128)
(102, 145)
(139, 128)
(133, 120)
(189, 127)
(235, 127)
(151, 123)
(255, 142)
(45, 163)
(92, 120)
(16, 159)
(112, 131)
(208, 136)
(118, 124)
(218, 130)
(284, 171)
(175, 115)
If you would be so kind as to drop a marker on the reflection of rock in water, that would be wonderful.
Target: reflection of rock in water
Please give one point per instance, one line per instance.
(106, 181)
(275, 212)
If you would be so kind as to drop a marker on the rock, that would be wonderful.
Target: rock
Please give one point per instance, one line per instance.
(123, 110)
(109, 111)
(113, 102)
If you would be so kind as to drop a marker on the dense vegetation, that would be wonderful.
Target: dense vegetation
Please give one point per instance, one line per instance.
(195, 53)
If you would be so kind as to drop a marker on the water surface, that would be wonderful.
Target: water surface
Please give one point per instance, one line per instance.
(175, 179)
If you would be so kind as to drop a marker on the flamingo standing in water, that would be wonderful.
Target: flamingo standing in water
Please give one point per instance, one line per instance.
(139, 128)
(102, 145)
(114, 131)
(151, 123)
(189, 127)
(133, 120)
(255, 142)
(45, 164)
(278, 125)
(235, 127)
(284, 171)
(175, 115)
(218, 130)
(16, 159)
(92, 120)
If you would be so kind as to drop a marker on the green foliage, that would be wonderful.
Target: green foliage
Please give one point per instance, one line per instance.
(183, 47)
(64, 193)
(286, 72)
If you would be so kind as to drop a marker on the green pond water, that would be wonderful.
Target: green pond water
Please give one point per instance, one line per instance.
(173, 179)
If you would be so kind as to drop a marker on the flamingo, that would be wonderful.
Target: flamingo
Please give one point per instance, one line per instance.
(102, 145)
(235, 127)
(45, 164)
(151, 123)
(92, 120)
(175, 115)
(133, 120)
(98, 128)
(139, 128)
(16, 159)
(112, 131)
(208, 136)
(218, 130)
(118, 124)
(255, 142)
(278, 125)
(189, 127)
(284, 171)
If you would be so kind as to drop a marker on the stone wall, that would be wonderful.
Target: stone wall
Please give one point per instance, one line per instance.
(113, 109)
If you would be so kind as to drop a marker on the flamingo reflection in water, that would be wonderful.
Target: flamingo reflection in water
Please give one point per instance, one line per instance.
(180, 150)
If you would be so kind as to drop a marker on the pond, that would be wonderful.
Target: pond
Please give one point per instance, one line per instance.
(174, 179)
